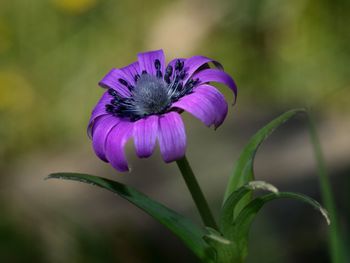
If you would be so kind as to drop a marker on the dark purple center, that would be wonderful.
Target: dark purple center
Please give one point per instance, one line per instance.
(152, 95)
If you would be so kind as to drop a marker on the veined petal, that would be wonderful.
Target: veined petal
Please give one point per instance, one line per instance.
(198, 106)
(216, 99)
(145, 135)
(99, 110)
(205, 103)
(130, 72)
(194, 63)
(115, 144)
(171, 136)
(112, 80)
(147, 61)
(216, 75)
(102, 128)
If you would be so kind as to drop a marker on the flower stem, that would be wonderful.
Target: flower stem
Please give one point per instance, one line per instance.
(196, 192)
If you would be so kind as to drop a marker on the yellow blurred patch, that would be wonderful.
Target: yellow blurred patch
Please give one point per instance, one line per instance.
(16, 95)
(5, 40)
(75, 7)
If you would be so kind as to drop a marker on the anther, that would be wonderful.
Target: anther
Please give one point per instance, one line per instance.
(192, 82)
(123, 82)
(167, 78)
(136, 77)
(157, 64)
(112, 92)
(144, 72)
(159, 74)
(169, 70)
(179, 65)
(109, 108)
(115, 102)
(189, 84)
(182, 74)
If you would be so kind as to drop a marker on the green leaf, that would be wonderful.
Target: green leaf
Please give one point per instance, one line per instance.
(228, 211)
(226, 249)
(240, 228)
(226, 246)
(336, 242)
(191, 234)
(243, 172)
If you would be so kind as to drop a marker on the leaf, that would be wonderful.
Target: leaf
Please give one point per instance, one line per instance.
(243, 172)
(226, 249)
(228, 211)
(336, 244)
(225, 245)
(240, 228)
(191, 234)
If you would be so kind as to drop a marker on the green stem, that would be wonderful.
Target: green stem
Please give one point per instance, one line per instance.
(335, 240)
(196, 192)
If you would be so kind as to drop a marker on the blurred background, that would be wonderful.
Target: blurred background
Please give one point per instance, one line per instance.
(282, 54)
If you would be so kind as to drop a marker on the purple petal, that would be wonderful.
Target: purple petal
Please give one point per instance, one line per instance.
(205, 103)
(147, 61)
(130, 72)
(111, 80)
(198, 106)
(115, 144)
(194, 63)
(216, 75)
(98, 111)
(145, 135)
(102, 128)
(171, 136)
(216, 99)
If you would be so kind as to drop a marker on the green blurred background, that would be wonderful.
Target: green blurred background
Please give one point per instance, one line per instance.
(282, 54)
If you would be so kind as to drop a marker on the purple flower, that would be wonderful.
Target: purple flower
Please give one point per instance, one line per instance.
(144, 101)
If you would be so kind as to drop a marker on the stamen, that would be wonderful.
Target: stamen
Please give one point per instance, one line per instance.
(176, 80)
(151, 95)
(157, 64)
(115, 102)
(169, 70)
(182, 74)
(191, 83)
(168, 73)
(109, 108)
(112, 92)
(167, 79)
(123, 82)
(179, 65)
(144, 72)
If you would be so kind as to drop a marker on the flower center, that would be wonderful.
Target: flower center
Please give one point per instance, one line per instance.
(152, 94)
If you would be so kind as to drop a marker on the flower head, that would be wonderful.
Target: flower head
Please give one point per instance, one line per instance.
(144, 101)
